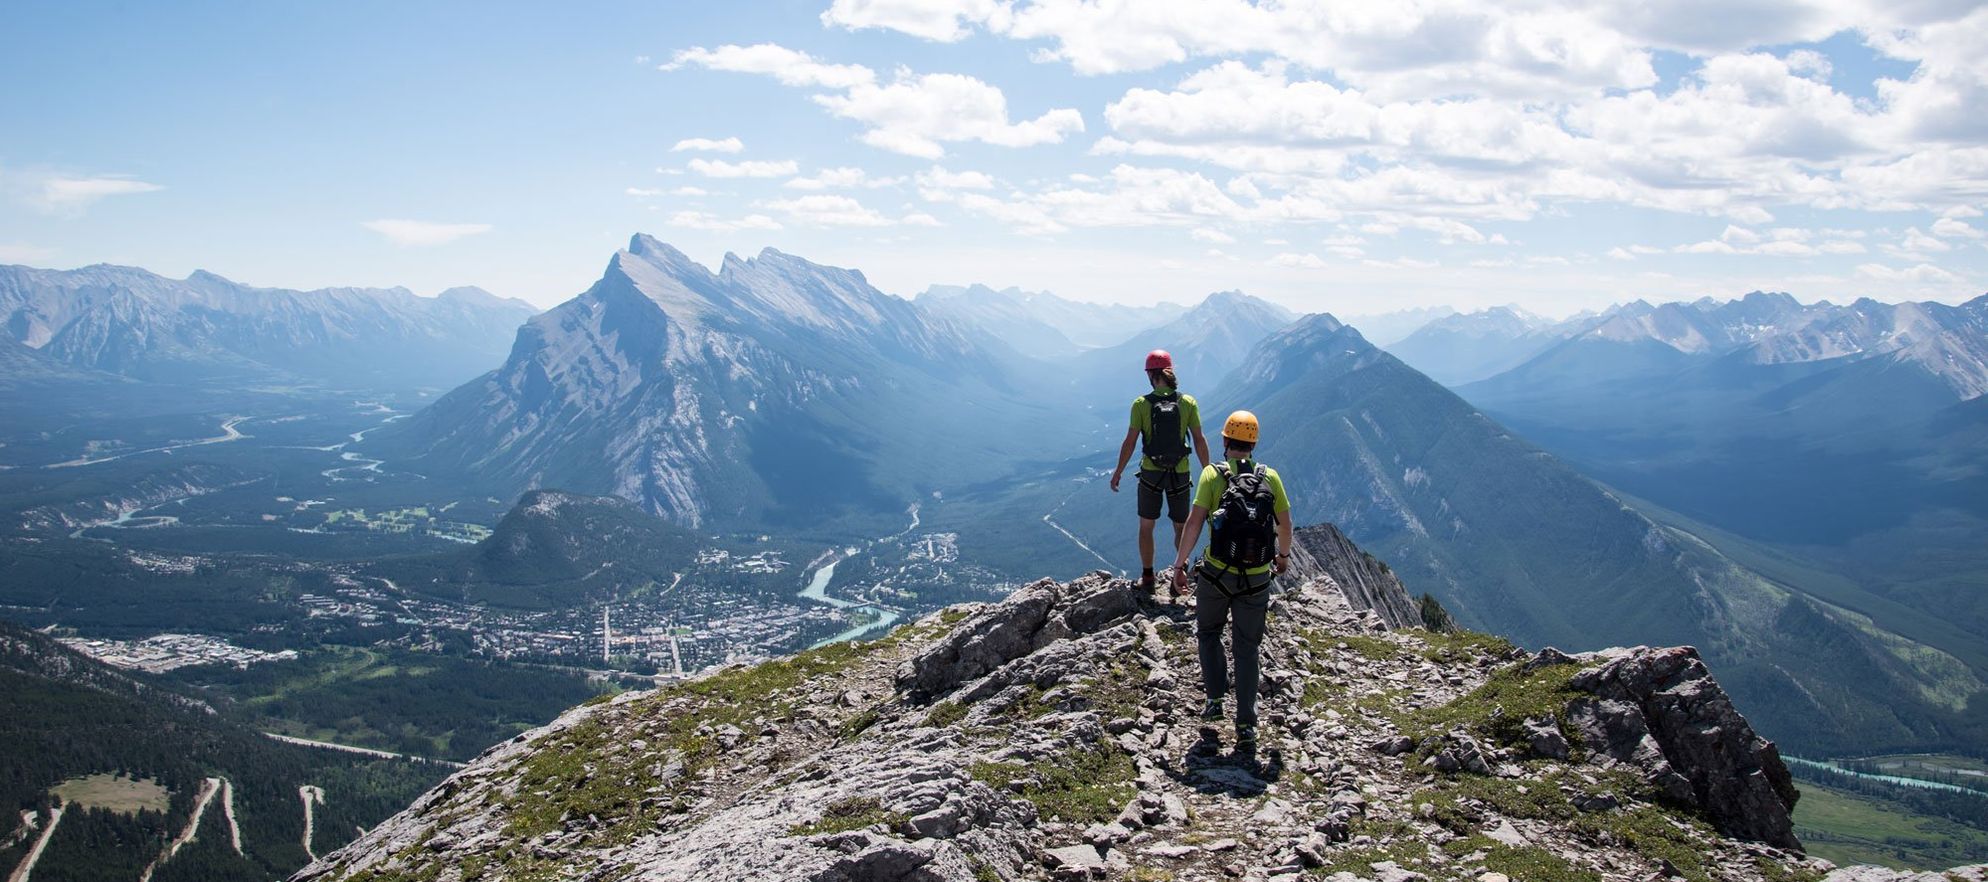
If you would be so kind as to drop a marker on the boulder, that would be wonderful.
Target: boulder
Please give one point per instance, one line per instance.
(1660, 711)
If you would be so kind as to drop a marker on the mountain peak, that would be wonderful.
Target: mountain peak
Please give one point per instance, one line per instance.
(1050, 729)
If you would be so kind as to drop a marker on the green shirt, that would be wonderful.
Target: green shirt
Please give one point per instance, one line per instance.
(1208, 492)
(1190, 422)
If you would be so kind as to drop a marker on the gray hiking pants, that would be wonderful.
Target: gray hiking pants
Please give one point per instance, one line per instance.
(1213, 610)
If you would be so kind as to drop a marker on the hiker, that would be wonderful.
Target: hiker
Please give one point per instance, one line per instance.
(1165, 418)
(1249, 545)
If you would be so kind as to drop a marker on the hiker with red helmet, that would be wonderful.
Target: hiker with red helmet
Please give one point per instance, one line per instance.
(1166, 419)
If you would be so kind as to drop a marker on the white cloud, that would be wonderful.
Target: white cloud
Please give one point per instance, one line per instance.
(828, 211)
(843, 177)
(1916, 244)
(1841, 246)
(1301, 261)
(937, 178)
(914, 114)
(722, 145)
(1213, 237)
(1955, 229)
(1924, 273)
(1738, 235)
(67, 195)
(945, 22)
(789, 66)
(750, 168)
(699, 220)
(415, 233)
(921, 219)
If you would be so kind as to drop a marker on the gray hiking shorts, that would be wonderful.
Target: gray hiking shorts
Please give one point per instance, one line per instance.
(1172, 487)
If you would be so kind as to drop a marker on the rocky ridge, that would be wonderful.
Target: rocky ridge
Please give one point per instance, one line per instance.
(1055, 736)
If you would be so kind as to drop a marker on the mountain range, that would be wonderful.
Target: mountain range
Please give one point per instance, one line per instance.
(1463, 347)
(774, 390)
(1041, 324)
(205, 328)
(1839, 440)
(1519, 543)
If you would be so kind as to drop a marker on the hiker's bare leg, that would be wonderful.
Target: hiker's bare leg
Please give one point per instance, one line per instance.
(1146, 541)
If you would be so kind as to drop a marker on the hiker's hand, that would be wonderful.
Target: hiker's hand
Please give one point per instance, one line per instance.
(1179, 572)
(1282, 563)
(1114, 480)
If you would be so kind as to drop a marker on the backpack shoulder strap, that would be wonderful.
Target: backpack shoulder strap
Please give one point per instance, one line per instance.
(1260, 470)
(1222, 471)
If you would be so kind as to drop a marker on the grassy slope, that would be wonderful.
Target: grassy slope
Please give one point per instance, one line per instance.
(1852, 829)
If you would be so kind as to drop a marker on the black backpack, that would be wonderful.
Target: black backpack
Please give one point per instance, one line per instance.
(1245, 519)
(1166, 442)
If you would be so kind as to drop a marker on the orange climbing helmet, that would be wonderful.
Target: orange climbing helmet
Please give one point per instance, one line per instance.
(1241, 427)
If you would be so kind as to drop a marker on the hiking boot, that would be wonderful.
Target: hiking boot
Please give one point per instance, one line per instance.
(1146, 580)
(1212, 709)
(1245, 734)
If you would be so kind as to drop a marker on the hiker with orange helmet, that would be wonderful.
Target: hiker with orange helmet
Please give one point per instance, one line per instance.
(1166, 419)
(1248, 547)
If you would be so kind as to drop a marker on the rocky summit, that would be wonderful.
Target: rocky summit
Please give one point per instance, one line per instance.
(1056, 735)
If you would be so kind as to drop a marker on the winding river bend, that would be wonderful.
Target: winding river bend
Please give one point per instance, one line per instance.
(818, 582)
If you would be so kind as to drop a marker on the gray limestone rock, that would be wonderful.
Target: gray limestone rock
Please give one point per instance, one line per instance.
(1660, 710)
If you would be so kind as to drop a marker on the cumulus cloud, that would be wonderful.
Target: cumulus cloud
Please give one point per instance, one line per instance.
(1952, 228)
(913, 114)
(843, 178)
(722, 145)
(945, 22)
(750, 168)
(1215, 237)
(790, 67)
(417, 233)
(699, 220)
(828, 211)
(1300, 261)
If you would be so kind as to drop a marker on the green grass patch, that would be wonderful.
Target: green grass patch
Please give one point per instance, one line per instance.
(1657, 835)
(944, 714)
(117, 793)
(1498, 709)
(1323, 643)
(1455, 647)
(850, 813)
(1091, 785)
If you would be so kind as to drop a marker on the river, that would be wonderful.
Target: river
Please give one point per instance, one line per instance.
(818, 582)
(1888, 779)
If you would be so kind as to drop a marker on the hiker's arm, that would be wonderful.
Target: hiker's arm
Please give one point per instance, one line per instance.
(1124, 456)
(1189, 534)
(1201, 446)
(1283, 541)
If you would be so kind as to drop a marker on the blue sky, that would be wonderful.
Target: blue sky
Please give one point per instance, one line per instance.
(1560, 158)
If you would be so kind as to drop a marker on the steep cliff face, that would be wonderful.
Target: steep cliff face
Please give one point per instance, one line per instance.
(1366, 582)
(1056, 735)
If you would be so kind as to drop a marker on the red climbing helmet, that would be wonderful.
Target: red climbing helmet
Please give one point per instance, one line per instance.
(1157, 359)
